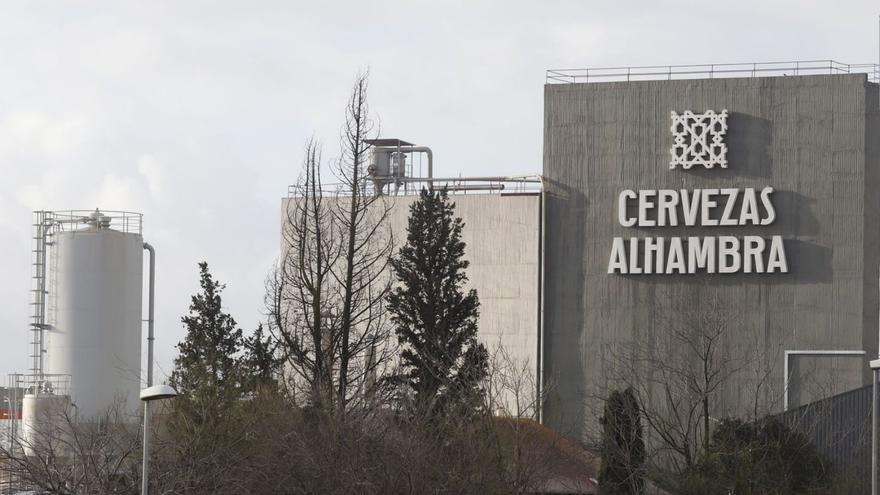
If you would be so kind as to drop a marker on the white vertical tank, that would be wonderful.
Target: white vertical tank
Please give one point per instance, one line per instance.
(96, 333)
(45, 422)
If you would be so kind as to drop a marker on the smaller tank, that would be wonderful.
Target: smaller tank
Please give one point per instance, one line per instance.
(45, 421)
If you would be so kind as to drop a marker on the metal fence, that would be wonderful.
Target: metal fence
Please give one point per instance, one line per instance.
(839, 427)
(702, 71)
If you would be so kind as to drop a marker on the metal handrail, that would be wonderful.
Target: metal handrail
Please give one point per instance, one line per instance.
(410, 186)
(749, 69)
(123, 221)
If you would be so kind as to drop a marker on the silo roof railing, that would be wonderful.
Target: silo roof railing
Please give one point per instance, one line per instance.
(122, 221)
(710, 71)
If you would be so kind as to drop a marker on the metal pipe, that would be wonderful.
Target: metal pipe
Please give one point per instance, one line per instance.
(150, 312)
(875, 426)
(542, 249)
(498, 178)
(427, 151)
(145, 470)
(475, 187)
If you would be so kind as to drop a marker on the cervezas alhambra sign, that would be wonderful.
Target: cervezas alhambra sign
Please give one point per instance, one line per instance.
(697, 140)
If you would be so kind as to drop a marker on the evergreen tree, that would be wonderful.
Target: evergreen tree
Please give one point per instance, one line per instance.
(434, 318)
(208, 361)
(759, 457)
(208, 420)
(260, 358)
(623, 450)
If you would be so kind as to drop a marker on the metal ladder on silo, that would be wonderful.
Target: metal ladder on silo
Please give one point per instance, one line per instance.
(39, 293)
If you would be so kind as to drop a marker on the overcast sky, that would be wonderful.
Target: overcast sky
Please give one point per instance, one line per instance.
(195, 113)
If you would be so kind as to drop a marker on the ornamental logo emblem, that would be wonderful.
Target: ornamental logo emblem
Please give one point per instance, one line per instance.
(698, 139)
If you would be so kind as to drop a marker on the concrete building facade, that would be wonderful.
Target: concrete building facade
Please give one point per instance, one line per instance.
(812, 139)
(502, 235)
(750, 203)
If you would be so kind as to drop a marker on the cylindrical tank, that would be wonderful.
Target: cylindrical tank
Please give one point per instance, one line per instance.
(45, 420)
(96, 334)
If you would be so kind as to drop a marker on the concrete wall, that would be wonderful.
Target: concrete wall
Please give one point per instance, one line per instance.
(502, 237)
(812, 138)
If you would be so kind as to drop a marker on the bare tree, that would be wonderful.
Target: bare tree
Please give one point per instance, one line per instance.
(62, 455)
(678, 377)
(326, 298)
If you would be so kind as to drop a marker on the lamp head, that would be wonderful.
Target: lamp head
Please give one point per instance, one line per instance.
(157, 392)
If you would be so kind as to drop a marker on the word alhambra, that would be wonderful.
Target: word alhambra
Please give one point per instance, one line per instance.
(700, 207)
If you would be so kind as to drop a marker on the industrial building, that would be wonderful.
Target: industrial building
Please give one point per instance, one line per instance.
(748, 192)
(744, 190)
(787, 157)
(86, 322)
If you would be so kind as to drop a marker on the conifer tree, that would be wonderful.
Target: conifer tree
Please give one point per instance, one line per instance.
(208, 359)
(623, 449)
(260, 358)
(206, 419)
(434, 318)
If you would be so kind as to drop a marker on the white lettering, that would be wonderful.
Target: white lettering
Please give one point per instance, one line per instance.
(634, 267)
(653, 255)
(727, 216)
(728, 254)
(690, 205)
(777, 259)
(753, 253)
(749, 212)
(617, 263)
(676, 256)
(768, 205)
(701, 254)
(621, 207)
(708, 204)
(645, 205)
(667, 213)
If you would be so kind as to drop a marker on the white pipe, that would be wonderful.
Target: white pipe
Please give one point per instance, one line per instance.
(542, 253)
(875, 425)
(427, 151)
(498, 178)
(145, 472)
(150, 312)
(416, 149)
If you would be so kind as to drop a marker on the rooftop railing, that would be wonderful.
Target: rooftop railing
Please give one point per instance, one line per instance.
(123, 221)
(710, 71)
(410, 186)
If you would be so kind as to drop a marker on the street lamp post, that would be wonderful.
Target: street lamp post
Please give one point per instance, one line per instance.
(875, 428)
(148, 395)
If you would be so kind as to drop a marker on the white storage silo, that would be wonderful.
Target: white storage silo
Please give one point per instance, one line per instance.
(45, 423)
(94, 332)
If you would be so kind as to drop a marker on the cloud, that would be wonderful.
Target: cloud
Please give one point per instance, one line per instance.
(154, 174)
(195, 113)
